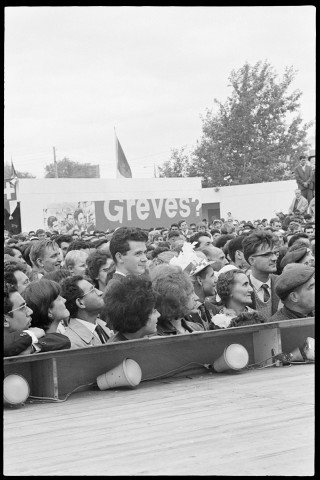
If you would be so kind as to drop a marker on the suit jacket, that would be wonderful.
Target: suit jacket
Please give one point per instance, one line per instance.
(80, 336)
(302, 205)
(15, 342)
(303, 176)
(54, 341)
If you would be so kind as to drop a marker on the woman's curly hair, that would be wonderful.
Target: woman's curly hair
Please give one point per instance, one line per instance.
(129, 303)
(174, 288)
(225, 283)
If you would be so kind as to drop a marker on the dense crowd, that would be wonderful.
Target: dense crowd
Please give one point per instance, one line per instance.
(78, 290)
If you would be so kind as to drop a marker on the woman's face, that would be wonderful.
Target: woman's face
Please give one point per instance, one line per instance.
(192, 301)
(241, 291)
(58, 309)
(151, 325)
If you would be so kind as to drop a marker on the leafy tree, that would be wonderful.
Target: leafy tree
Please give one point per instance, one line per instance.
(254, 136)
(70, 169)
(8, 172)
(179, 164)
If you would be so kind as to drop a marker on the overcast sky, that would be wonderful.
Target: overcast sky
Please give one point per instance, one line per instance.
(72, 74)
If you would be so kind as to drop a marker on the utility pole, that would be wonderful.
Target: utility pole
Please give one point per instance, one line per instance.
(55, 161)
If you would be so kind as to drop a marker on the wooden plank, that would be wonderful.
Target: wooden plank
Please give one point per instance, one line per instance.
(157, 357)
(258, 422)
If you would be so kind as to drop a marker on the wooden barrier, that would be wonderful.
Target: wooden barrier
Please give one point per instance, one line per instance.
(55, 374)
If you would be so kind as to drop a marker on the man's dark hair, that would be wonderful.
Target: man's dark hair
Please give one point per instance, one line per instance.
(173, 233)
(57, 275)
(79, 244)
(51, 220)
(9, 268)
(77, 213)
(129, 303)
(94, 262)
(302, 156)
(7, 303)
(174, 225)
(221, 241)
(195, 237)
(234, 245)
(253, 241)
(119, 242)
(180, 222)
(296, 237)
(214, 230)
(64, 238)
(70, 290)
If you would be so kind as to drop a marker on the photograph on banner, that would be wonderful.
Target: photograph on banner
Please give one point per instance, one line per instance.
(68, 217)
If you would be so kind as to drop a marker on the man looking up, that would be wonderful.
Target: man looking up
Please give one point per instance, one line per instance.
(84, 303)
(258, 250)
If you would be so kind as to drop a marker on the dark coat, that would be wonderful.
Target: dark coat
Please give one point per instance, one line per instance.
(285, 313)
(15, 342)
(303, 176)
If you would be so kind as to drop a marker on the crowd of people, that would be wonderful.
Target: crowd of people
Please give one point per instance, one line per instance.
(65, 291)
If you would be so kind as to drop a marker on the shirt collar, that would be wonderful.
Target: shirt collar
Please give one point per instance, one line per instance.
(257, 283)
(120, 273)
(88, 325)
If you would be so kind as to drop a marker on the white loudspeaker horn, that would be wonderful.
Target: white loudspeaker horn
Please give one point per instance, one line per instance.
(303, 352)
(234, 357)
(16, 390)
(127, 374)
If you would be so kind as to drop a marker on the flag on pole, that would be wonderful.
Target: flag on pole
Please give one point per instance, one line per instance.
(10, 193)
(123, 167)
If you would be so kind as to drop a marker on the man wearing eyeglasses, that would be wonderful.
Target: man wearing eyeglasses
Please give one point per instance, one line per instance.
(84, 303)
(259, 252)
(18, 336)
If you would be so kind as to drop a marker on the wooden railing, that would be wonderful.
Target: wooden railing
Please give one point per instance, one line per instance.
(55, 374)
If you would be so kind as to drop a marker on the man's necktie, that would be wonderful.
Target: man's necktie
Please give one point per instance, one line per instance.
(101, 333)
(266, 294)
(204, 317)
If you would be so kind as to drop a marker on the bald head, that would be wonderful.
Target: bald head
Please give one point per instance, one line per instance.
(215, 254)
